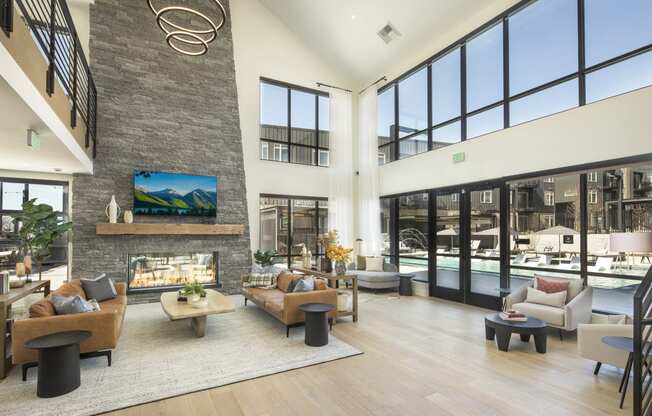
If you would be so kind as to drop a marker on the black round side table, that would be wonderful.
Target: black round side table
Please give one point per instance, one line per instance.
(316, 323)
(405, 286)
(58, 362)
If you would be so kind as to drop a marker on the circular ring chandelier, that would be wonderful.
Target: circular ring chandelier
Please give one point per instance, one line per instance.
(188, 40)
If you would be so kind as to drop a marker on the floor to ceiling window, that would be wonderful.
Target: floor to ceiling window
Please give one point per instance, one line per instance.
(294, 124)
(288, 224)
(474, 240)
(13, 193)
(522, 65)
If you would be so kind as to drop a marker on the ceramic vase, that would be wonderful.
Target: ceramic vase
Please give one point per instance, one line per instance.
(112, 210)
(128, 217)
(20, 269)
(194, 298)
(27, 260)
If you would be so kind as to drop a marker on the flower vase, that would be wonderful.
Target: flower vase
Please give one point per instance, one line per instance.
(340, 268)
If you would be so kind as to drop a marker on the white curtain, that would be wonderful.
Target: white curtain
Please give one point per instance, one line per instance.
(340, 194)
(368, 182)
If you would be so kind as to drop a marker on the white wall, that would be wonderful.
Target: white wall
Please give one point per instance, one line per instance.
(613, 128)
(265, 47)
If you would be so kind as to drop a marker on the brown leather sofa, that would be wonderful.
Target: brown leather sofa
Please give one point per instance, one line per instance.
(284, 306)
(105, 324)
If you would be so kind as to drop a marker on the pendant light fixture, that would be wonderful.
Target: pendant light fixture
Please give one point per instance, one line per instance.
(188, 40)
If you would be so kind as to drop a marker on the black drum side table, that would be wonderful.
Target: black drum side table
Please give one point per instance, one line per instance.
(405, 285)
(316, 323)
(58, 362)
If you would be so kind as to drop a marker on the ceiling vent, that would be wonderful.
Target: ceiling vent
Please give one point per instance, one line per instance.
(388, 33)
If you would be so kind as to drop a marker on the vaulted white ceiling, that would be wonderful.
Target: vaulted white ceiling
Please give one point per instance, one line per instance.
(345, 31)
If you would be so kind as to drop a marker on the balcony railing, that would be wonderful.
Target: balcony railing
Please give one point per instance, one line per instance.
(52, 27)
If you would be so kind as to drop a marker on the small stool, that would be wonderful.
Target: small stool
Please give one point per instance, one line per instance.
(58, 362)
(316, 323)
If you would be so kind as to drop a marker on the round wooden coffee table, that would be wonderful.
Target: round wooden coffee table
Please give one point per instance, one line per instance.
(496, 327)
(316, 323)
(58, 362)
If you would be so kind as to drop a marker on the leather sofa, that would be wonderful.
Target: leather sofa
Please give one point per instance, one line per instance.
(284, 305)
(105, 324)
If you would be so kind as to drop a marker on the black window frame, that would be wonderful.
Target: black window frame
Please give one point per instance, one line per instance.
(502, 18)
(291, 198)
(316, 147)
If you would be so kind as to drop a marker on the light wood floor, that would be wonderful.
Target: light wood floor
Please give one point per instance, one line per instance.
(421, 357)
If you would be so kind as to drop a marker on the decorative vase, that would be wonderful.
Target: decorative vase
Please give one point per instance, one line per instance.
(20, 269)
(194, 298)
(112, 210)
(340, 268)
(128, 216)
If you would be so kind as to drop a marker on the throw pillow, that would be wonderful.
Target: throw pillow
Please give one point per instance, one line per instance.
(70, 289)
(321, 284)
(361, 262)
(551, 286)
(283, 281)
(41, 309)
(374, 264)
(100, 288)
(293, 284)
(260, 277)
(307, 284)
(557, 299)
(69, 305)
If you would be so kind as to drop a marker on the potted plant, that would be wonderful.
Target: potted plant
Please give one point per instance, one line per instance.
(193, 291)
(265, 258)
(341, 256)
(39, 226)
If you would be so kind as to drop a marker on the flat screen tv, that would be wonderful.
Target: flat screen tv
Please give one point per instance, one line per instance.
(162, 193)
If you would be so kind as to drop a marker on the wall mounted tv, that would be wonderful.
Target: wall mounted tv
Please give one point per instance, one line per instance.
(162, 193)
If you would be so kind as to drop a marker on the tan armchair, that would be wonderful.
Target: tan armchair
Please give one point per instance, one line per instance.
(591, 347)
(577, 309)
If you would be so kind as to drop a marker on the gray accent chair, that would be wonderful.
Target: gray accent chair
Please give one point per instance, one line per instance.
(387, 279)
(577, 310)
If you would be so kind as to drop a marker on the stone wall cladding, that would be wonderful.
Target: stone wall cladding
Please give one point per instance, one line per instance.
(159, 110)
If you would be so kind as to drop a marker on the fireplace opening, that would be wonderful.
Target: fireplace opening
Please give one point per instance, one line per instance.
(162, 271)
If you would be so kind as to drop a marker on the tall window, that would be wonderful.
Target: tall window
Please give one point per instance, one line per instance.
(288, 225)
(549, 198)
(13, 193)
(294, 124)
(523, 65)
(386, 126)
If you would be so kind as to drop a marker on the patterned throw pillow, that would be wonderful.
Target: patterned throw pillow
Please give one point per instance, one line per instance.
(261, 277)
(551, 286)
(307, 284)
(69, 305)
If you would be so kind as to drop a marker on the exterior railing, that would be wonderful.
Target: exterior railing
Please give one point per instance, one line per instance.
(643, 347)
(52, 27)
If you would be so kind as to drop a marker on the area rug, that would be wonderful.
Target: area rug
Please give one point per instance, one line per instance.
(157, 358)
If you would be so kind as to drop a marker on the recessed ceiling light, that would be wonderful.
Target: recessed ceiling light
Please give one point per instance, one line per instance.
(352, 17)
(58, 169)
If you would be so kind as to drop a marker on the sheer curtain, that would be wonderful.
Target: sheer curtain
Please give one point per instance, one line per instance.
(368, 186)
(340, 194)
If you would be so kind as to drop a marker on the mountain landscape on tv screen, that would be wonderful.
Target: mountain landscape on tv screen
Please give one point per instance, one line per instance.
(169, 201)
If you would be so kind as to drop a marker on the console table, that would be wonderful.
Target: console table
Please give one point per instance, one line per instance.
(333, 279)
(6, 300)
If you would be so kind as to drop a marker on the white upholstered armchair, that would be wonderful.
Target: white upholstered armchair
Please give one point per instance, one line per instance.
(577, 309)
(589, 340)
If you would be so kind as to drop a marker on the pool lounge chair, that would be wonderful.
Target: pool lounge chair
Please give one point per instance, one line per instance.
(602, 265)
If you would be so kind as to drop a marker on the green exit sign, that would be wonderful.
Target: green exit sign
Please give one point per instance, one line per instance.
(459, 157)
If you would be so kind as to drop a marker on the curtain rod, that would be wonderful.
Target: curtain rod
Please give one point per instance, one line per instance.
(383, 78)
(321, 84)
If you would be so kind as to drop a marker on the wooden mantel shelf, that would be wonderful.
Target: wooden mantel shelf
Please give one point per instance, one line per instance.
(168, 229)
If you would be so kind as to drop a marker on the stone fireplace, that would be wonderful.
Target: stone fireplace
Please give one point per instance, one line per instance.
(165, 271)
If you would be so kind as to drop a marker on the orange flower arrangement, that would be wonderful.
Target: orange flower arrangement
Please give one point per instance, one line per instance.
(334, 250)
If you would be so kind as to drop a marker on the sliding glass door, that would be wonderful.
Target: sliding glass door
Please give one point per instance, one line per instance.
(448, 281)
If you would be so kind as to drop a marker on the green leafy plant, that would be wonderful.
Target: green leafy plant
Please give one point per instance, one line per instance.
(193, 288)
(40, 226)
(265, 258)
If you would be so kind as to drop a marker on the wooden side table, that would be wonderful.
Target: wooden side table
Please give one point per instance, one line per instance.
(333, 279)
(6, 300)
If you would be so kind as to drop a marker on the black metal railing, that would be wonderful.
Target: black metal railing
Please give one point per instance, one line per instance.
(52, 27)
(6, 16)
(643, 347)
